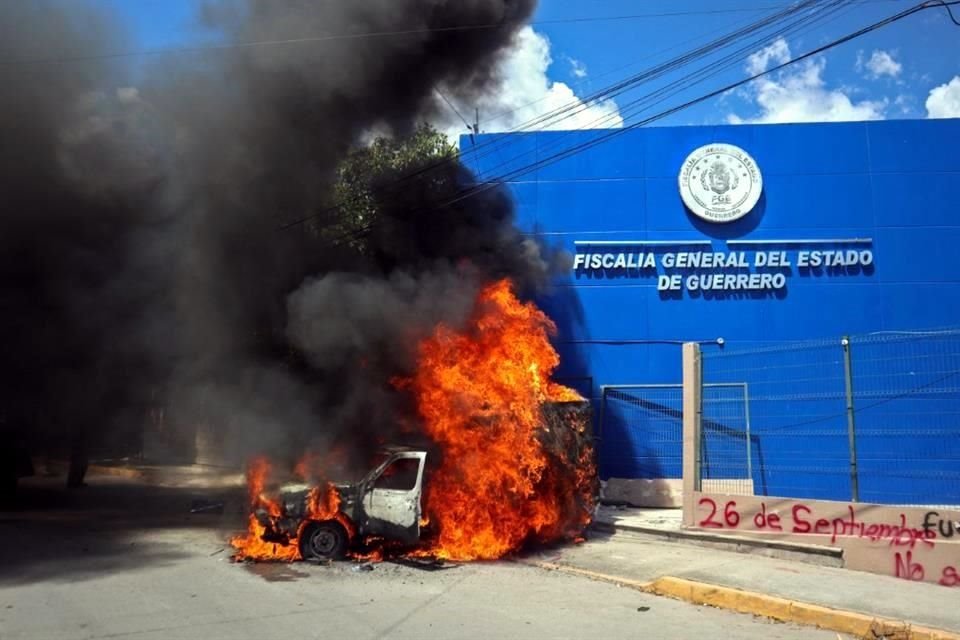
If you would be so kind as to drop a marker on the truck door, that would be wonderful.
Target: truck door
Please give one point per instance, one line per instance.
(391, 500)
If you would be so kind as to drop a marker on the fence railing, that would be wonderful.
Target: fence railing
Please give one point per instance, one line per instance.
(873, 418)
(641, 431)
(641, 428)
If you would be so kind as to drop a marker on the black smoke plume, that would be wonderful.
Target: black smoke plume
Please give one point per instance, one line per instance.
(146, 286)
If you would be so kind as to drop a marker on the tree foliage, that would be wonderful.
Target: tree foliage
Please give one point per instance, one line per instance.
(368, 174)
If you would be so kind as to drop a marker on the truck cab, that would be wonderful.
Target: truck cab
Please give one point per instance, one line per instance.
(386, 502)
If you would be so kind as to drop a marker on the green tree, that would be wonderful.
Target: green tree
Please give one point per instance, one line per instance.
(369, 173)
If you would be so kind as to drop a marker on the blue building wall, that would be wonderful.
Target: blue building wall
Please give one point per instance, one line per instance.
(895, 182)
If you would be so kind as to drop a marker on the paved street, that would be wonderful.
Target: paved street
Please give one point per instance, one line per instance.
(124, 560)
(643, 559)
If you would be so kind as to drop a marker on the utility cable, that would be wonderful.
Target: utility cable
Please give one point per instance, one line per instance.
(454, 109)
(563, 112)
(928, 4)
(494, 182)
(381, 34)
(638, 105)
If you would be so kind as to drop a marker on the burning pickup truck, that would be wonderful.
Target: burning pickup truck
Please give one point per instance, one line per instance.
(324, 520)
(511, 454)
(474, 503)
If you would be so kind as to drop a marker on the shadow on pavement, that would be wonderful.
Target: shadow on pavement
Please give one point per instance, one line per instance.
(276, 571)
(110, 526)
(555, 552)
(425, 564)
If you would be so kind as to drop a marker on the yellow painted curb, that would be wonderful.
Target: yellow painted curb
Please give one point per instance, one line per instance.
(759, 604)
(856, 624)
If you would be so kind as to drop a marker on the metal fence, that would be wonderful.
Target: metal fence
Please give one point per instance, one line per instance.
(872, 418)
(641, 431)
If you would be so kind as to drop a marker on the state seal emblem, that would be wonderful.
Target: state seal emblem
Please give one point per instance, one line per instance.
(720, 183)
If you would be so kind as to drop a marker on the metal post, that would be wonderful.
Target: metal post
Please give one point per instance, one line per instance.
(603, 408)
(701, 438)
(692, 411)
(746, 416)
(851, 420)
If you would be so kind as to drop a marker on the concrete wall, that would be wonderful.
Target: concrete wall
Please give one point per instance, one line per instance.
(662, 493)
(912, 543)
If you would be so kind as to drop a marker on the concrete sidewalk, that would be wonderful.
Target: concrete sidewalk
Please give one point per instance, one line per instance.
(164, 475)
(645, 519)
(643, 562)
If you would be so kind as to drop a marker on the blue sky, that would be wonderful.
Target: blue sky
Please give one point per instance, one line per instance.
(924, 50)
(886, 74)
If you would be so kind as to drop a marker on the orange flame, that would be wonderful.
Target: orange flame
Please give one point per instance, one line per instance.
(497, 485)
(480, 395)
(252, 546)
(323, 503)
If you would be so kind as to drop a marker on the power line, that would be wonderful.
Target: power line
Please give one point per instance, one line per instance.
(557, 115)
(569, 109)
(802, 24)
(454, 109)
(574, 107)
(644, 102)
(566, 111)
(608, 72)
(227, 46)
(594, 76)
(947, 5)
(489, 184)
(513, 175)
(928, 4)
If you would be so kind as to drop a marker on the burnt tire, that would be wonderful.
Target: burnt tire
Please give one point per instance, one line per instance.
(324, 541)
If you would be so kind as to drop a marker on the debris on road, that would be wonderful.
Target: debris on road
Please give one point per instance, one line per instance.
(206, 506)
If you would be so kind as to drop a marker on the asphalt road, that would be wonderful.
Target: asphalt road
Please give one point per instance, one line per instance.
(121, 559)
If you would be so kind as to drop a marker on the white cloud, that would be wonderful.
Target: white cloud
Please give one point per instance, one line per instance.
(525, 93)
(905, 102)
(881, 63)
(778, 52)
(577, 68)
(944, 101)
(800, 94)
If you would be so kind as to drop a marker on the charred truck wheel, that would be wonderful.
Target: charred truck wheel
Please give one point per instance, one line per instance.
(324, 541)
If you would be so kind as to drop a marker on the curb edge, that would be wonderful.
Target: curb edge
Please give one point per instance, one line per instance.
(852, 623)
(784, 610)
